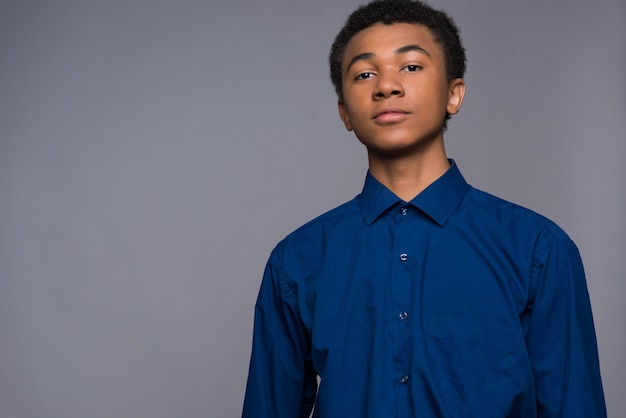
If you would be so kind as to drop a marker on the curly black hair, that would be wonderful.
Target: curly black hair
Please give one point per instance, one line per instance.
(387, 12)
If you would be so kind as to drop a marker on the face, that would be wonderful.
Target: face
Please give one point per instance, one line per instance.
(395, 90)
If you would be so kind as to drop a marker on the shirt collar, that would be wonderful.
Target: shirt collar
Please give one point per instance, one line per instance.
(438, 200)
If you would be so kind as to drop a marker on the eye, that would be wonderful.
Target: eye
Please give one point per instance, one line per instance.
(411, 68)
(363, 76)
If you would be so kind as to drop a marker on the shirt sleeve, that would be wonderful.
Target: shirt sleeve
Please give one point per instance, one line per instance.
(560, 335)
(281, 379)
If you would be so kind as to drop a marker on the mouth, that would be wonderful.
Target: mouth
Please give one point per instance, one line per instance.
(390, 115)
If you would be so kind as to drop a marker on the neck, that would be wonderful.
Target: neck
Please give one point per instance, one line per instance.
(409, 176)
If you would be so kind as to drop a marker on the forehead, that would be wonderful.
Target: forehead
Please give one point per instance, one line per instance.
(381, 39)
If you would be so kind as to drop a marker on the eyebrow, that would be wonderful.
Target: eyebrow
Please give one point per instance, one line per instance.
(402, 50)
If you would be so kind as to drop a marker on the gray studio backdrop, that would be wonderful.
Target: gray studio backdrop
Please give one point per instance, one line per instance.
(153, 152)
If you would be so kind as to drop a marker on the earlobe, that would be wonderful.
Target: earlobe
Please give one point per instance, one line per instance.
(456, 93)
(343, 114)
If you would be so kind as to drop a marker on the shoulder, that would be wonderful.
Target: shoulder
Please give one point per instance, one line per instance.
(308, 240)
(511, 220)
(506, 212)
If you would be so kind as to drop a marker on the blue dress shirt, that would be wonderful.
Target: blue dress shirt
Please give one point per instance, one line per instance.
(455, 304)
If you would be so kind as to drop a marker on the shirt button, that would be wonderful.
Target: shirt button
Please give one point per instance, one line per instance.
(403, 316)
(403, 211)
(404, 379)
(404, 256)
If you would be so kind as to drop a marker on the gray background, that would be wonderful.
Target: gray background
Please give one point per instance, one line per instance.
(153, 152)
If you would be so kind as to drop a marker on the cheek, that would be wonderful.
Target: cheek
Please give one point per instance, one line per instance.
(438, 99)
(354, 110)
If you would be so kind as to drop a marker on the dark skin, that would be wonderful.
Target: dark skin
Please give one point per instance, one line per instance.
(395, 98)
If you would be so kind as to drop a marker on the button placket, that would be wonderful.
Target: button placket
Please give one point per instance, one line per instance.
(402, 273)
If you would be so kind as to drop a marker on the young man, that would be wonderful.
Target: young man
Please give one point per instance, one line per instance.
(422, 297)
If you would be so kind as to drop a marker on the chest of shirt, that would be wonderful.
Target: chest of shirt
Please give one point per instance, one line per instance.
(406, 264)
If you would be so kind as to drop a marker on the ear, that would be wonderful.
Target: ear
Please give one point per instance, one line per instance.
(456, 93)
(344, 115)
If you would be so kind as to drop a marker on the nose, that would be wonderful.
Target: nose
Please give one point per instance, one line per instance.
(388, 85)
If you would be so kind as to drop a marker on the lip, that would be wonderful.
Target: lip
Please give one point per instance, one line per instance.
(390, 115)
